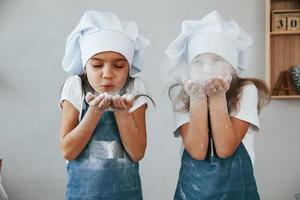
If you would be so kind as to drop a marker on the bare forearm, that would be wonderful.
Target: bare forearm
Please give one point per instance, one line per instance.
(134, 142)
(74, 142)
(196, 140)
(224, 137)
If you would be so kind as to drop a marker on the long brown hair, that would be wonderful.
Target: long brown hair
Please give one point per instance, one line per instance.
(233, 95)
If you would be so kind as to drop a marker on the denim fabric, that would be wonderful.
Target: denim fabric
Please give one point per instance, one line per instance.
(91, 177)
(216, 178)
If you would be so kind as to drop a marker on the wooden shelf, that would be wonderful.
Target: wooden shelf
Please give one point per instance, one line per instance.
(285, 33)
(282, 50)
(286, 97)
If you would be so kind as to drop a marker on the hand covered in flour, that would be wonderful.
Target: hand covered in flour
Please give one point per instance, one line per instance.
(195, 89)
(217, 85)
(101, 101)
(122, 103)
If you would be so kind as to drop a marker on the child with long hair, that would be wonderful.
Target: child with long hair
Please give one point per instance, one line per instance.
(216, 111)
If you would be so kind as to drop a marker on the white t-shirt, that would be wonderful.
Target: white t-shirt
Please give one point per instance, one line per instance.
(247, 112)
(72, 91)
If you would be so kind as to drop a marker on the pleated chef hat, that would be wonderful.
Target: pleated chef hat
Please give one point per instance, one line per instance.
(211, 34)
(103, 31)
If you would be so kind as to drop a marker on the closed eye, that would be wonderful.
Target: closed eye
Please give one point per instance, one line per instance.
(97, 66)
(120, 64)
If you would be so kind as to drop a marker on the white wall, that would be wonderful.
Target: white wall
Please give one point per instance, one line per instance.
(32, 39)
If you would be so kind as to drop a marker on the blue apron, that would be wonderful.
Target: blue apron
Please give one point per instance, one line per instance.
(216, 178)
(103, 170)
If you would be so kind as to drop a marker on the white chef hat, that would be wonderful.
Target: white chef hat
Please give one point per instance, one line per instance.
(211, 34)
(99, 32)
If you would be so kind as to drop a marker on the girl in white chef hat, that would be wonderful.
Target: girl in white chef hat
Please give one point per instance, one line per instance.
(216, 111)
(103, 130)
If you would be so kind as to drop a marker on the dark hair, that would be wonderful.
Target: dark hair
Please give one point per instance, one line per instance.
(232, 95)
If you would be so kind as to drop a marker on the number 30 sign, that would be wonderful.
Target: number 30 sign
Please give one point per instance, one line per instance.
(285, 20)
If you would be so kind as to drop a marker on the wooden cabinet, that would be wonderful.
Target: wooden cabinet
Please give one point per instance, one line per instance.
(282, 46)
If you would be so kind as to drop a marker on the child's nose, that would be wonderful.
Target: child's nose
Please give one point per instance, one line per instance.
(107, 71)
